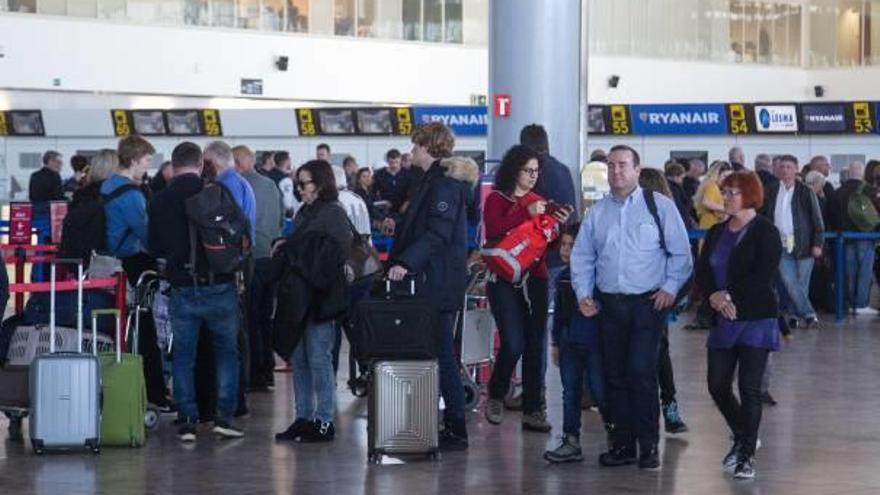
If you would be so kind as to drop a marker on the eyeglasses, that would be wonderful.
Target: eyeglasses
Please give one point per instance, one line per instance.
(729, 193)
(303, 183)
(532, 172)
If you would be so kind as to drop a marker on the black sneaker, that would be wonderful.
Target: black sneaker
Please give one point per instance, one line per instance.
(768, 399)
(730, 460)
(619, 456)
(812, 322)
(672, 418)
(745, 468)
(187, 432)
(295, 431)
(319, 431)
(226, 429)
(452, 442)
(649, 459)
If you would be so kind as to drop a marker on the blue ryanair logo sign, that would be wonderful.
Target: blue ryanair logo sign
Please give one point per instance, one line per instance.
(679, 119)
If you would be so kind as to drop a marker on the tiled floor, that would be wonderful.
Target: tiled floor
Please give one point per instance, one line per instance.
(823, 438)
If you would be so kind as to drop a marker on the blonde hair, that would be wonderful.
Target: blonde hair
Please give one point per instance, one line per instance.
(104, 164)
(718, 167)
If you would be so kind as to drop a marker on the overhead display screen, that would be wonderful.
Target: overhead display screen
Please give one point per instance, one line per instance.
(333, 121)
(148, 122)
(25, 123)
(776, 119)
(596, 120)
(824, 118)
(375, 121)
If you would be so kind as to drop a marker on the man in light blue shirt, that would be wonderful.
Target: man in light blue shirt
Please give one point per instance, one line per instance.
(620, 257)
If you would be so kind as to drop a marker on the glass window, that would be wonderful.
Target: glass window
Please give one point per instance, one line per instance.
(794, 34)
(83, 8)
(343, 17)
(737, 31)
(412, 19)
(23, 6)
(823, 33)
(169, 12)
(453, 17)
(272, 18)
(366, 15)
(248, 14)
(766, 43)
(195, 13)
(476, 22)
(714, 31)
(433, 20)
(872, 32)
(621, 20)
(849, 32)
(222, 13)
(111, 9)
(321, 17)
(390, 23)
(298, 15)
(751, 30)
(52, 7)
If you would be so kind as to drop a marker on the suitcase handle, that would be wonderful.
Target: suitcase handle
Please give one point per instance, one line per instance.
(412, 284)
(96, 313)
(53, 264)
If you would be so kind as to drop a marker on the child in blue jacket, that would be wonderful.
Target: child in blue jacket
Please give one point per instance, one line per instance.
(576, 351)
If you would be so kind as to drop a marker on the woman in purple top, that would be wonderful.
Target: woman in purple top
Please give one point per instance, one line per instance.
(736, 269)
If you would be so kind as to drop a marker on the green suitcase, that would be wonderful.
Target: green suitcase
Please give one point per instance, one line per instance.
(124, 393)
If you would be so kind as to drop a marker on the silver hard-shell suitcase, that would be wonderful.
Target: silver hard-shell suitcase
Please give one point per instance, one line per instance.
(403, 409)
(65, 393)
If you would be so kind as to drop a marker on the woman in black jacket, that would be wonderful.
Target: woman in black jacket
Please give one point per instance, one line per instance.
(314, 381)
(737, 268)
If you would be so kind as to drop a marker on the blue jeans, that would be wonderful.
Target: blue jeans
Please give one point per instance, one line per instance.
(522, 326)
(859, 272)
(313, 376)
(215, 306)
(451, 387)
(577, 363)
(794, 274)
(630, 332)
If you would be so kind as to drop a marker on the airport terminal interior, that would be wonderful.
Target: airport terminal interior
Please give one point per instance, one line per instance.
(443, 231)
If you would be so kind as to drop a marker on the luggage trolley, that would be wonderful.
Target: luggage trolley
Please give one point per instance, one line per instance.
(146, 296)
(477, 336)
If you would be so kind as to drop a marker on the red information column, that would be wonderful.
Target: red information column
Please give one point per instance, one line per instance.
(21, 217)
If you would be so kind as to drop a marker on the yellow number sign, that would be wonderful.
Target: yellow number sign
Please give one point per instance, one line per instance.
(404, 121)
(863, 121)
(306, 118)
(738, 122)
(121, 126)
(619, 120)
(211, 118)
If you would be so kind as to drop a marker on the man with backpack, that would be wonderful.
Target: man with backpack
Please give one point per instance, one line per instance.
(185, 217)
(853, 207)
(125, 207)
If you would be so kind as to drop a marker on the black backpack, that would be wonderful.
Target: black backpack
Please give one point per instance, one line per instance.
(84, 230)
(651, 202)
(218, 224)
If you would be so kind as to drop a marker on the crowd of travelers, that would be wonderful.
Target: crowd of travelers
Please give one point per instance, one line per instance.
(613, 277)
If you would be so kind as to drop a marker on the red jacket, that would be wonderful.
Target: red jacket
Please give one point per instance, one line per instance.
(502, 213)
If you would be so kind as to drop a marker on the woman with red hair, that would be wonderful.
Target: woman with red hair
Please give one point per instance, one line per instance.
(737, 268)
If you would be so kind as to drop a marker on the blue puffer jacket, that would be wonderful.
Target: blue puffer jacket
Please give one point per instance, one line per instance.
(432, 239)
(126, 219)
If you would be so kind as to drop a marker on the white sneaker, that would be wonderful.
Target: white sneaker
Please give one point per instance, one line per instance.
(867, 311)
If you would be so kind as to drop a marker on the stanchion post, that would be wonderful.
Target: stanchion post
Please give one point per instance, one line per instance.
(839, 275)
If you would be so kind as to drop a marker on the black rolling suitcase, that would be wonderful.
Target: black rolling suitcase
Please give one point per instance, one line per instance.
(397, 334)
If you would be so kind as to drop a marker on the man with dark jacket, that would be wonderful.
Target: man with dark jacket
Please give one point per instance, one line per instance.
(431, 243)
(859, 252)
(765, 171)
(45, 184)
(197, 299)
(392, 183)
(794, 209)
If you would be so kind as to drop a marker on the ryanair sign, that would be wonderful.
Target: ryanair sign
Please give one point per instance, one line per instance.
(678, 119)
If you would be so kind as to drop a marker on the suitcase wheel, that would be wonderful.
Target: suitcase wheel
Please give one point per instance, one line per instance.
(151, 419)
(37, 445)
(471, 394)
(94, 446)
(374, 458)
